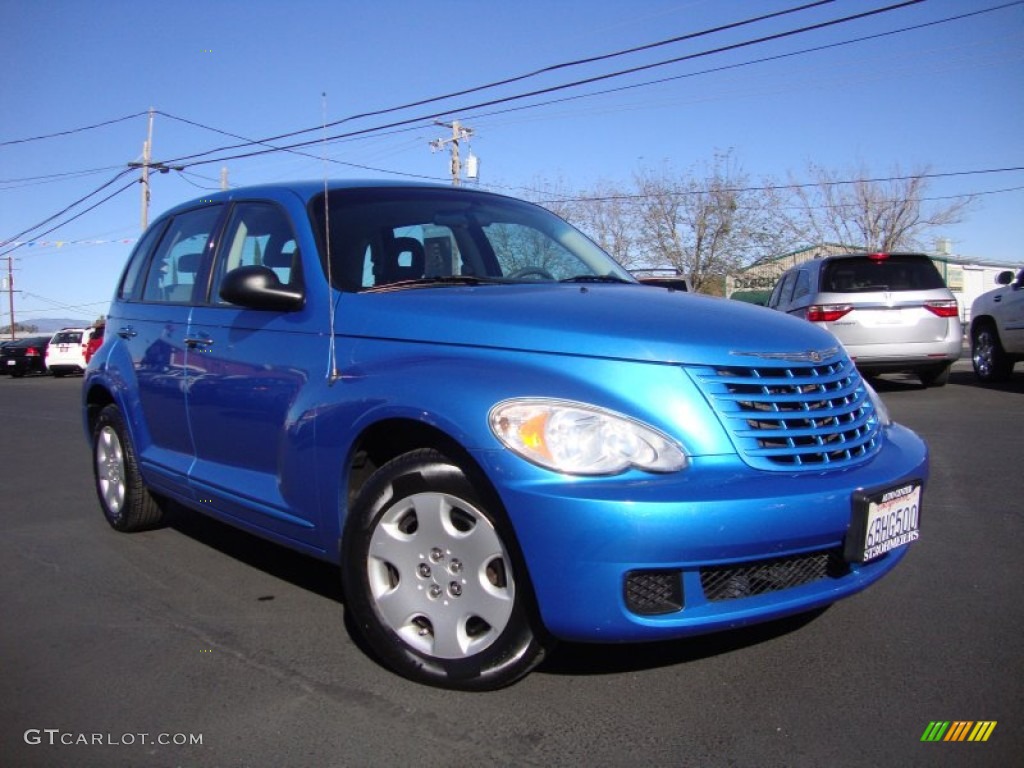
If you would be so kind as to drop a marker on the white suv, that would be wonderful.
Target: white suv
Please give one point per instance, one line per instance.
(997, 328)
(66, 353)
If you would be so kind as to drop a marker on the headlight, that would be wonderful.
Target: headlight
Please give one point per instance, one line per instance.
(883, 413)
(581, 439)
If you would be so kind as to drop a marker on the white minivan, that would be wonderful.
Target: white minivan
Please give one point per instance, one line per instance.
(891, 311)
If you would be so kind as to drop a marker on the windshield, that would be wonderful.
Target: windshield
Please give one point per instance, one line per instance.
(389, 238)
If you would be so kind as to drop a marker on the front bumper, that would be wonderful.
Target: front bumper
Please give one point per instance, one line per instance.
(585, 540)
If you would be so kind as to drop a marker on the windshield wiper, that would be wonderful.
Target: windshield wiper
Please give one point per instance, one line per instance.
(594, 279)
(432, 282)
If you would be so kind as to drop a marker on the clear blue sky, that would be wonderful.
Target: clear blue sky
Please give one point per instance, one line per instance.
(949, 96)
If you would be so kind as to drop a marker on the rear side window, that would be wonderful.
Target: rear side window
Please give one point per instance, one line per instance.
(178, 258)
(783, 290)
(890, 273)
(131, 283)
(803, 284)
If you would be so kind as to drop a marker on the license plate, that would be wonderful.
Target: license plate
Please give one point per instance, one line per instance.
(883, 520)
(10, 362)
(886, 317)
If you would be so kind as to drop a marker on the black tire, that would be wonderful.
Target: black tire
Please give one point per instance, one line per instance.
(987, 355)
(427, 553)
(126, 502)
(935, 377)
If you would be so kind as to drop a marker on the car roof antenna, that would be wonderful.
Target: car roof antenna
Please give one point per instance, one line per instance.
(332, 374)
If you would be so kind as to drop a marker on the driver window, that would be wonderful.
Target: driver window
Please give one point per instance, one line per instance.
(259, 234)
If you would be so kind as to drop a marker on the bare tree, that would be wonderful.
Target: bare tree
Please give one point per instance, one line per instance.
(705, 224)
(855, 210)
(604, 213)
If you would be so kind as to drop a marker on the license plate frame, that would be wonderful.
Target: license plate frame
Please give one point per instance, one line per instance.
(883, 519)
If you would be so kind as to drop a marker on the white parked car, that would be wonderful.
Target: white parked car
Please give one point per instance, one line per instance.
(997, 328)
(66, 353)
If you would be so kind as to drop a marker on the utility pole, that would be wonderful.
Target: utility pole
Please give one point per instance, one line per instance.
(145, 165)
(224, 177)
(147, 156)
(10, 291)
(459, 133)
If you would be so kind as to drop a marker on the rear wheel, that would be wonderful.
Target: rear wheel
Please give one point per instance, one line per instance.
(935, 377)
(432, 580)
(987, 355)
(127, 504)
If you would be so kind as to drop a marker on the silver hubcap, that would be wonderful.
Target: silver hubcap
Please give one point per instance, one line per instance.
(440, 576)
(110, 469)
(983, 353)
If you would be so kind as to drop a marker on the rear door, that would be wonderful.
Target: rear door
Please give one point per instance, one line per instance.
(150, 319)
(1010, 305)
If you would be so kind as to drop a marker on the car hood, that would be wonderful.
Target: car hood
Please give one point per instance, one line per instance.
(630, 322)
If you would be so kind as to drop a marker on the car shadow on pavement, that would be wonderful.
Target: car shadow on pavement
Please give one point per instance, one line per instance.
(302, 571)
(596, 659)
(324, 579)
(906, 382)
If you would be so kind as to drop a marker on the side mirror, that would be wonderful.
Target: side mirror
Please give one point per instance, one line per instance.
(1004, 278)
(257, 287)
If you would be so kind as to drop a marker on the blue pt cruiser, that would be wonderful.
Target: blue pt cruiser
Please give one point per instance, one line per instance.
(501, 438)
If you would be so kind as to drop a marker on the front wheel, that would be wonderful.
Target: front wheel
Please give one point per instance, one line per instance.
(124, 498)
(987, 355)
(432, 580)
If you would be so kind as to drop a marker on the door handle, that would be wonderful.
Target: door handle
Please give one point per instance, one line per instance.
(196, 341)
(127, 332)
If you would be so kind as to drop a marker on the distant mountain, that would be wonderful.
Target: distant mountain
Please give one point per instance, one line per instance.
(51, 324)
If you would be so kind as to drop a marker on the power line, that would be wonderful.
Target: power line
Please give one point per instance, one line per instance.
(70, 131)
(506, 81)
(804, 185)
(762, 60)
(68, 208)
(538, 92)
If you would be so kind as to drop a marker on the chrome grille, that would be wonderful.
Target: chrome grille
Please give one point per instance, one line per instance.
(794, 416)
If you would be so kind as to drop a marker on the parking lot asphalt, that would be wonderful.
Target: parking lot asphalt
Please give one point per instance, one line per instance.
(196, 645)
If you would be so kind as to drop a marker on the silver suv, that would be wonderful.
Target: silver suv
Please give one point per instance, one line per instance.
(997, 328)
(891, 311)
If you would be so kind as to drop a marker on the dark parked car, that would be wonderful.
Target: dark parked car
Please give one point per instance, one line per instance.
(24, 356)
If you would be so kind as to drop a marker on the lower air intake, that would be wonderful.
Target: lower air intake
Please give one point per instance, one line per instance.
(730, 582)
(651, 593)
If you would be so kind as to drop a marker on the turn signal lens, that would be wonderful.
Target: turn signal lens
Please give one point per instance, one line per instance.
(827, 313)
(580, 439)
(882, 412)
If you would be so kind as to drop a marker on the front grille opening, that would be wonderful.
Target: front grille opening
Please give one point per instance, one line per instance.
(796, 416)
(652, 593)
(732, 582)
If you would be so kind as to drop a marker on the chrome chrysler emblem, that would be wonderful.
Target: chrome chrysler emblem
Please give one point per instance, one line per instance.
(809, 356)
